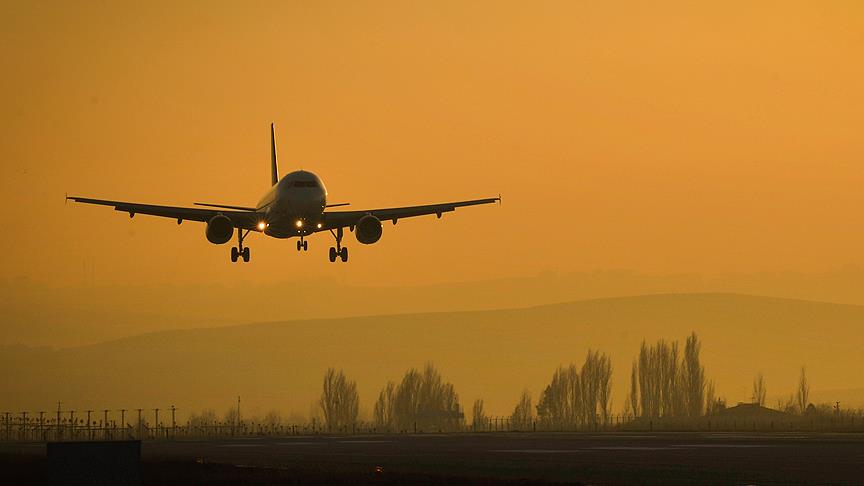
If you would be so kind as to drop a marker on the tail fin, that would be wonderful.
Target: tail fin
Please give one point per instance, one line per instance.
(274, 170)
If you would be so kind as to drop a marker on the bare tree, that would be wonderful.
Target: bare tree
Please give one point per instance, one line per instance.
(604, 394)
(803, 395)
(425, 400)
(710, 401)
(339, 400)
(479, 415)
(789, 405)
(595, 380)
(634, 390)
(206, 417)
(759, 391)
(383, 410)
(560, 404)
(693, 377)
(232, 417)
(578, 397)
(662, 385)
(523, 416)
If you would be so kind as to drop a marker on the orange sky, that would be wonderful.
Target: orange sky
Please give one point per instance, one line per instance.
(678, 138)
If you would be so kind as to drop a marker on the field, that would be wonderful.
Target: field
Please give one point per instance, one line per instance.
(646, 458)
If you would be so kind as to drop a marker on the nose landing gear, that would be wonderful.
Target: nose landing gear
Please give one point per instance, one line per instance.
(302, 244)
(239, 251)
(340, 251)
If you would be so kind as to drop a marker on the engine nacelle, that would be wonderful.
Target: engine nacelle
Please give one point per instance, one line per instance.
(368, 229)
(219, 229)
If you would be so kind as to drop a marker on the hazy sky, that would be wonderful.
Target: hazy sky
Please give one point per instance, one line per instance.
(657, 136)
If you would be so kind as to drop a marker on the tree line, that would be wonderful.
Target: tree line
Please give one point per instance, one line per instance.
(665, 381)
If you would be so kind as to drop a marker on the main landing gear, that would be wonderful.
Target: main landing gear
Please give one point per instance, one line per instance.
(340, 251)
(302, 244)
(239, 251)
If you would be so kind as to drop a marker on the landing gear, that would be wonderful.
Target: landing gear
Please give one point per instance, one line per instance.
(342, 254)
(339, 250)
(302, 244)
(239, 251)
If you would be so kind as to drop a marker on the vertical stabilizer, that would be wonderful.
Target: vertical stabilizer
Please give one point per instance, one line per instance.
(274, 170)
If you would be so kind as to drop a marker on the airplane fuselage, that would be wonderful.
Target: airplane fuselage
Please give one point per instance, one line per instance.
(294, 206)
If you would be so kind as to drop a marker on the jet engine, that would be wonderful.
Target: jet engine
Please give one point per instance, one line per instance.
(219, 229)
(368, 229)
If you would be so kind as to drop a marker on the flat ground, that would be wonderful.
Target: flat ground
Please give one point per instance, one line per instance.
(658, 458)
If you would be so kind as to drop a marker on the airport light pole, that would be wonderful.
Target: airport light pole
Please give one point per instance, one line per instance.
(24, 425)
(58, 421)
(72, 423)
(89, 430)
(139, 422)
(123, 421)
(156, 436)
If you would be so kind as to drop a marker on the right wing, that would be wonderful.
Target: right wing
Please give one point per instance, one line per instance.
(240, 219)
(341, 219)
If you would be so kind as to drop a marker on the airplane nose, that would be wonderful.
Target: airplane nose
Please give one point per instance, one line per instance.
(306, 205)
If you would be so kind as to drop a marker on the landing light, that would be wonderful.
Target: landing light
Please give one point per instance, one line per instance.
(319, 225)
(299, 223)
(262, 225)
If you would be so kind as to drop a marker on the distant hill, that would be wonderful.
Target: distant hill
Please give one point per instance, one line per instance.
(488, 354)
(37, 314)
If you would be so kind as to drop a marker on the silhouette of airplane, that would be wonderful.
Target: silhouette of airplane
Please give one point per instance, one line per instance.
(295, 205)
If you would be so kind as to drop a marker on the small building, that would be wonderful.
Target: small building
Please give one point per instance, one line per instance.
(752, 411)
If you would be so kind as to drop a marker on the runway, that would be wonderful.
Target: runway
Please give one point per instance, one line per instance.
(667, 458)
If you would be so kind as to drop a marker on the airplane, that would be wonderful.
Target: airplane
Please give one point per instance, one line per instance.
(295, 206)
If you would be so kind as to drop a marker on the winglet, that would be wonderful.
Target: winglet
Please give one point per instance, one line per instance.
(274, 170)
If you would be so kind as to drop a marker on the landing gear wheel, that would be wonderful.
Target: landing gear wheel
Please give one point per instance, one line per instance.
(239, 250)
(339, 250)
(305, 245)
(299, 245)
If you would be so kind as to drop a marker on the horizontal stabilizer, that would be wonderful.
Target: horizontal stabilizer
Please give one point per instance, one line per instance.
(225, 206)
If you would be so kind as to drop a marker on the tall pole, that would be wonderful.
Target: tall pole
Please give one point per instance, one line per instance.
(72, 423)
(123, 421)
(173, 422)
(89, 430)
(58, 421)
(24, 424)
(139, 422)
(157, 423)
(238, 411)
(104, 424)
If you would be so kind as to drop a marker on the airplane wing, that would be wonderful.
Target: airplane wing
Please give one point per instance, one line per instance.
(240, 219)
(341, 219)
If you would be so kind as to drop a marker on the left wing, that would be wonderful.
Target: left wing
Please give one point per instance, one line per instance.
(240, 219)
(341, 219)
